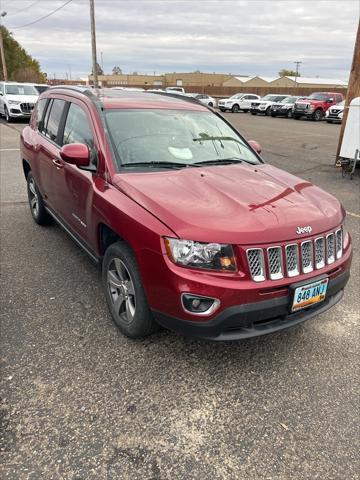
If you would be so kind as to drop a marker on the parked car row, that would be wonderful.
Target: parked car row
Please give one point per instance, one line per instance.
(17, 100)
(317, 106)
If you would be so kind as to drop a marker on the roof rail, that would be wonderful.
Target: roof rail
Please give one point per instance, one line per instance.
(77, 88)
(180, 96)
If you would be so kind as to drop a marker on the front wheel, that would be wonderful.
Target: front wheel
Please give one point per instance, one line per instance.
(289, 114)
(273, 114)
(210, 104)
(317, 115)
(7, 115)
(235, 108)
(124, 292)
(268, 112)
(222, 110)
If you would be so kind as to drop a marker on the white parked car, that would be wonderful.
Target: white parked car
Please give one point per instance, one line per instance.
(17, 100)
(203, 98)
(265, 103)
(239, 101)
(335, 113)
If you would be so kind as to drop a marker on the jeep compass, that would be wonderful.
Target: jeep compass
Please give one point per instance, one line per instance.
(191, 228)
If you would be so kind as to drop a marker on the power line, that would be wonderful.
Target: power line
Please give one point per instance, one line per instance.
(23, 9)
(41, 18)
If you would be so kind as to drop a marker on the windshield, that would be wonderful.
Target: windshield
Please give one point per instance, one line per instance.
(238, 95)
(20, 89)
(318, 96)
(173, 136)
(271, 98)
(288, 100)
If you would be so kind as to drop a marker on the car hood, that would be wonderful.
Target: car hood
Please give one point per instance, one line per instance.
(23, 98)
(239, 204)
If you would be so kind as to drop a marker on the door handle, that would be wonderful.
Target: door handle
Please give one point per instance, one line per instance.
(57, 163)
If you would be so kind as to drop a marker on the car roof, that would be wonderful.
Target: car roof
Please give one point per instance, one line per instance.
(127, 99)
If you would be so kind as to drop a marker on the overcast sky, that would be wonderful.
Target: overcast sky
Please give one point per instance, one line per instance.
(243, 37)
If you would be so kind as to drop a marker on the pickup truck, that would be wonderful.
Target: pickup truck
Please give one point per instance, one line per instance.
(315, 106)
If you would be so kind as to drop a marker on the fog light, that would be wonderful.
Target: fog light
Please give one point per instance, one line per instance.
(199, 305)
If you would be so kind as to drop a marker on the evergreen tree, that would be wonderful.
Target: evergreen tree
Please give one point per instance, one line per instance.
(21, 67)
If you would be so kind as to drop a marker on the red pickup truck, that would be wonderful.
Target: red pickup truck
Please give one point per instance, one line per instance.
(191, 228)
(315, 106)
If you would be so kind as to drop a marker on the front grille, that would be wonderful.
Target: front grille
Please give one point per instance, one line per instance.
(254, 104)
(330, 248)
(319, 252)
(301, 106)
(26, 107)
(295, 258)
(339, 242)
(307, 256)
(275, 263)
(256, 264)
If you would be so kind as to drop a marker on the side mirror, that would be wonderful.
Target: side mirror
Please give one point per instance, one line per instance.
(255, 146)
(76, 154)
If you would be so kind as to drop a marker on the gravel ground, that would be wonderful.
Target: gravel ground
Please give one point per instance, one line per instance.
(82, 402)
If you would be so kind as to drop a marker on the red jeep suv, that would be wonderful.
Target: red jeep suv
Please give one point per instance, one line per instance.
(192, 230)
(316, 105)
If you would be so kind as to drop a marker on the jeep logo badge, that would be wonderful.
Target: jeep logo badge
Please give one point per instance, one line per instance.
(301, 230)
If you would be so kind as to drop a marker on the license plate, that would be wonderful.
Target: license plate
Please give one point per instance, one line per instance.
(309, 294)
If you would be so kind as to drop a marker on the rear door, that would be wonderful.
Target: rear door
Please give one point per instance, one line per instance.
(74, 186)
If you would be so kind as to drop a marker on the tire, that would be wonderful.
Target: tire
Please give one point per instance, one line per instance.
(253, 113)
(273, 114)
(289, 113)
(36, 203)
(124, 292)
(222, 110)
(7, 115)
(329, 121)
(235, 108)
(296, 117)
(317, 115)
(268, 112)
(246, 110)
(210, 104)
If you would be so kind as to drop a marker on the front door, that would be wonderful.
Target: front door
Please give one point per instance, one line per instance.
(74, 186)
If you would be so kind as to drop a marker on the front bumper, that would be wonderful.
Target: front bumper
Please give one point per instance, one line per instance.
(258, 109)
(304, 113)
(254, 319)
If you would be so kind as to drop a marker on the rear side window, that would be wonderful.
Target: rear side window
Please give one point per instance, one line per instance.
(39, 112)
(52, 124)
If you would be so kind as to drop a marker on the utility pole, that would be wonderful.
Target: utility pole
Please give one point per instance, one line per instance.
(297, 64)
(93, 44)
(3, 61)
(353, 90)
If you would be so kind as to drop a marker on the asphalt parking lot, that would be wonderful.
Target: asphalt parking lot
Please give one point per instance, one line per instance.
(82, 402)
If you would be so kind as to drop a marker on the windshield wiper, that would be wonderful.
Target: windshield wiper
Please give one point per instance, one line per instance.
(159, 164)
(204, 138)
(224, 161)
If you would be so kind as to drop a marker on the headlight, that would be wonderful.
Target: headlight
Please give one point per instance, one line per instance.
(311, 107)
(14, 102)
(215, 256)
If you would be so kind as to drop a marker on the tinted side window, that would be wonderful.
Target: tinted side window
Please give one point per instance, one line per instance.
(77, 127)
(53, 122)
(42, 126)
(338, 98)
(39, 112)
(2, 88)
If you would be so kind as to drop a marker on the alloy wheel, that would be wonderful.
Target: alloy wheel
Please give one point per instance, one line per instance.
(33, 197)
(121, 290)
